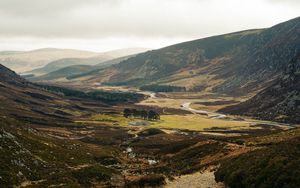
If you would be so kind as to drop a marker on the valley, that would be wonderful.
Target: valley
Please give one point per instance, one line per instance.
(215, 112)
(93, 141)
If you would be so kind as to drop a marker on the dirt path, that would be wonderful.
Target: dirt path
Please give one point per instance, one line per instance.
(204, 179)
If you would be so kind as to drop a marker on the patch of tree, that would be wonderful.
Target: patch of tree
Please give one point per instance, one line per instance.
(99, 95)
(277, 165)
(144, 114)
(162, 88)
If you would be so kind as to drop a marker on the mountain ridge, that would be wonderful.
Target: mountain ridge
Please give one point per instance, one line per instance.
(236, 63)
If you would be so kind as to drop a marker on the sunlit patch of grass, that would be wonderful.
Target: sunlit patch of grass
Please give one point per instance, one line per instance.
(196, 122)
(109, 119)
(191, 122)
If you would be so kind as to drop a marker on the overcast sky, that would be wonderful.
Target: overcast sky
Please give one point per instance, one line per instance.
(101, 25)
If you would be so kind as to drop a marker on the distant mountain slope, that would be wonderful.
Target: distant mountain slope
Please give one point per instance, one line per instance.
(280, 102)
(64, 72)
(84, 67)
(98, 59)
(62, 63)
(22, 61)
(235, 63)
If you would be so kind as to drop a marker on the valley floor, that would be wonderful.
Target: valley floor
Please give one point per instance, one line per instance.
(191, 136)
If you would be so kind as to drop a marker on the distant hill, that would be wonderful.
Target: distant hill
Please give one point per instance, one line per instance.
(85, 67)
(22, 61)
(97, 59)
(62, 63)
(236, 63)
(279, 102)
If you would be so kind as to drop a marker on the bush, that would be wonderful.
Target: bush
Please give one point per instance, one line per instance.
(147, 181)
(150, 115)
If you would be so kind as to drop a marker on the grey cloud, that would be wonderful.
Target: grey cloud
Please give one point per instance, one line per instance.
(286, 1)
(29, 8)
(114, 18)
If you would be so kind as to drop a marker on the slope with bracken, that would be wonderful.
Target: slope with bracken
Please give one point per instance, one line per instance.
(22, 61)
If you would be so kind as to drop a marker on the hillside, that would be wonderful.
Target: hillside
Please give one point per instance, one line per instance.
(30, 157)
(23, 61)
(236, 63)
(26, 102)
(40, 139)
(279, 102)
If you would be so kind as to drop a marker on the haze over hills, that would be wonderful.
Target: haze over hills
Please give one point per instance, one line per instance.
(97, 59)
(22, 61)
(85, 67)
(26, 61)
(235, 63)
